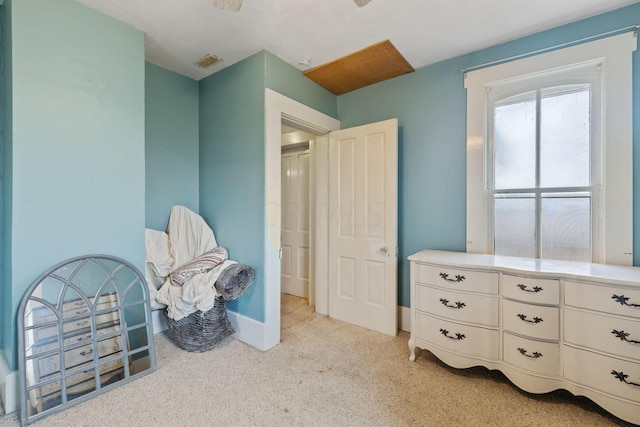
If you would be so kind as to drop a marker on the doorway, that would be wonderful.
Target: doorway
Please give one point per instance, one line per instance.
(279, 110)
(296, 262)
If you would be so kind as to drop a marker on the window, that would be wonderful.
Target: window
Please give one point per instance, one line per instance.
(547, 174)
(542, 146)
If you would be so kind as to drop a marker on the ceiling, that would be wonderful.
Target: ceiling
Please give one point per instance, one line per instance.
(308, 33)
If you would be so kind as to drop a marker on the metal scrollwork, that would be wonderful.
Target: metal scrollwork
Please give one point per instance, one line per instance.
(459, 278)
(623, 336)
(623, 300)
(457, 305)
(623, 378)
(458, 336)
(523, 317)
(535, 289)
(534, 355)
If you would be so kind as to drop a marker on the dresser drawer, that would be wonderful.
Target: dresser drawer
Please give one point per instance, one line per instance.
(539, 291)
(610, 375)
(625, 302)
(531, 320)
(469, 340)
(537, 356)
(615, 335)
(457, 278)
(481, 309)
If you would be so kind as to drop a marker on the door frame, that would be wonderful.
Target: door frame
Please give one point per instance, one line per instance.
(279, 108)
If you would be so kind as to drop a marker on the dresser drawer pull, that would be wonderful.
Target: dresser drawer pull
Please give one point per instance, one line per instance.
(86, 353)
(623, 378)
(458, 305)
(458, 337)
(623, 336)
(535, 289)
(458, 278)
(535, 354)
(623, 300)
(523, 317)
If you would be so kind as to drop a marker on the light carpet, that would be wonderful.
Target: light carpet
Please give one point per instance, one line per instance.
(324, 373)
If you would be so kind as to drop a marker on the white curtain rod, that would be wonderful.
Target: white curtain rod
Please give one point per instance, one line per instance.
(633, 28)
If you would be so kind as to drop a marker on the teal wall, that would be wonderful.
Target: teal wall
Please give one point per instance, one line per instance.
(232, 157)
(77, 166)
(5, 166)
(171, 148)
(290, 82)
(232, 160)
(430, 105)
(73, 144)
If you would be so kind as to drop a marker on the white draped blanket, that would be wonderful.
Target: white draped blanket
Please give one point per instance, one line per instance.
(188, 236)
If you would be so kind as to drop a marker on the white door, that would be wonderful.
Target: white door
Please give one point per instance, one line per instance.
(294, 268)
(363, 169)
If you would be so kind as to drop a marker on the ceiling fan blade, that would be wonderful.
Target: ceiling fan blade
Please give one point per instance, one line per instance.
(361, 3)
(232, 5)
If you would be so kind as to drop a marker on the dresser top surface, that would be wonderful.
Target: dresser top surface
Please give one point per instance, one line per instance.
(546, 267)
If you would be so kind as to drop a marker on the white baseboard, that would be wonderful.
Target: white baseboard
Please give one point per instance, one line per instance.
(8, 386)
(248, 330)
(404, 318)
(158, 321)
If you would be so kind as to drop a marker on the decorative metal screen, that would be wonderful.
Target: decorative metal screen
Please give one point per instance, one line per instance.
(84, 328)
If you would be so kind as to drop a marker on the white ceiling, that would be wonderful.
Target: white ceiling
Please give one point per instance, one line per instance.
(307, 33)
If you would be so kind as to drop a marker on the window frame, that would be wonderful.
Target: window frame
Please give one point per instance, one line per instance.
(586, 73)
(612, 238)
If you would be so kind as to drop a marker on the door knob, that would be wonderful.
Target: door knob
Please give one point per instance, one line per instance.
(383, 251)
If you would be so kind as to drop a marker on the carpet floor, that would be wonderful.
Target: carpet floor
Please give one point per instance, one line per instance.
(323, 373)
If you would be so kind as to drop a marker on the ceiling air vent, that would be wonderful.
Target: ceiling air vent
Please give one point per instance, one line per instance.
(207, 61)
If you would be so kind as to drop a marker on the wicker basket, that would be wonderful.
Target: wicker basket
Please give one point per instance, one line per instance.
(201, 331)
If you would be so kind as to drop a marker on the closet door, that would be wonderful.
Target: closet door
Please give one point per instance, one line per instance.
(295, 223)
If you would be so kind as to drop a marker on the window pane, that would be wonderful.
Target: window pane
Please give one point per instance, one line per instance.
(514, 227)
(564, 137)
(515, 143)
(566, 228)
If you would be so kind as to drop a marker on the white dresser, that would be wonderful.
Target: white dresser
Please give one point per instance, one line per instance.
(545, 324)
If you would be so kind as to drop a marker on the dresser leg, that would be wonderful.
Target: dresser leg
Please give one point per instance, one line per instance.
(412, 349)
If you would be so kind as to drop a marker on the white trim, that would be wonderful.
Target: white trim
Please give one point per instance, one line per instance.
(321, 220)
(615, 53)
(158, 322)
(8, 386)
(278, 106)
(404, 318)
(249, 331)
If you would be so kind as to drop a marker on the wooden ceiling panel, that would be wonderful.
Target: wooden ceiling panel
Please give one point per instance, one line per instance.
(373, 64)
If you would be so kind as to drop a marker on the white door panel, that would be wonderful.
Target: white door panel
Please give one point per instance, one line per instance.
(294, 265)
(363, 226)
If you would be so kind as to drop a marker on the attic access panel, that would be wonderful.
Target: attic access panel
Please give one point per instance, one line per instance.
(373, 64)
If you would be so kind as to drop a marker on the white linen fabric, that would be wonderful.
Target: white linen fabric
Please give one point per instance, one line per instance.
(198, 293)
(202, 264)
(188, 237)
(189, 234)
(158, 262)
